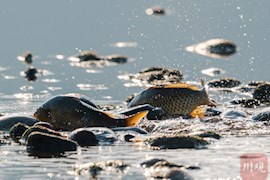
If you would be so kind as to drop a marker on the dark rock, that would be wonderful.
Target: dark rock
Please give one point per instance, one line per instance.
(40, 129)
(128, 137)
(17, 131)
(46, 145)
(83, 137)
(209, 112)
(4, 142)
(27, 58)
(104, 135)
(213, 71)
(31, 74)
(263, 115)
(177, 141)
(262, 93)
(247, 103)
(87, 56)
(209, 134)
(234, 114)
(6, 122)
(113, 166)
(151, 162)
(256, 83)
(155, 11)
(44, 124)
(224, 83)
(130, 129)
(117, 59)
(214, 48)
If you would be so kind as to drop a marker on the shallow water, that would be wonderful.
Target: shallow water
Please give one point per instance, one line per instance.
(53, 32)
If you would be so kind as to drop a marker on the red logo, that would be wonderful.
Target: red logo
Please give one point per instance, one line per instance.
(254, 166)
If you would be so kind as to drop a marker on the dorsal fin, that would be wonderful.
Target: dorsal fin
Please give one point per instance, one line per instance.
(203, 84)
(179, 85)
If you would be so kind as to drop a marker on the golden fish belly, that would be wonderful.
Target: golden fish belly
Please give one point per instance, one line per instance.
(175, 101)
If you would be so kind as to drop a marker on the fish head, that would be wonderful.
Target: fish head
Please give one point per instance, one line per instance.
(205, 99)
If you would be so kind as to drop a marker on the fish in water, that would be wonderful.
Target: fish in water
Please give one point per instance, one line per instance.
(214, 48)
(71, 111)
(175, 99)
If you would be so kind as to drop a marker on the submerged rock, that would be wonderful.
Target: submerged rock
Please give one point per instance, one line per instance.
(6, 122)
(104, 135)
(46, 145)
(213, 71)
(177, 142)
(156, 10)
(92, 59)
(224, 83)
(160, 168)
(234, 114)
(94, 169)
(83, 137)
(154, 76)
(207, 134)
(131, 129)
(214, 48)
(263, 115)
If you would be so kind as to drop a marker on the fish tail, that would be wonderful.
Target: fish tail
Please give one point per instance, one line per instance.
(131, 121)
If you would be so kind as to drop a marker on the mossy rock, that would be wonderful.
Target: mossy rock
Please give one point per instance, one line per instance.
(177, 142)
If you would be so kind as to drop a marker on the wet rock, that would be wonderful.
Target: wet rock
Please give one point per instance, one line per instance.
(247, 103)
(85, 56)
(4, 142)
(214, 48)
(263, 115)
(40, 129)
(210, 111)
(128, 137)
(208, 134)
(46, 145)
(160, 168)
(31, 74)
(256, 83)
(83, 137)
(104, 135)
(234, 114)
(177, 142)
(44, 124)
(262, 93)
(27, 58)
(157, 10)
(213, 71)
(154, 76)
(94, 169)
(224, 83)
(6, 122)
(92, 59)
(17, 131)
(119, 59)
(130, 129)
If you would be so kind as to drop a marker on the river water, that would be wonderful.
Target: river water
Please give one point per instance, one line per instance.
(55, 30)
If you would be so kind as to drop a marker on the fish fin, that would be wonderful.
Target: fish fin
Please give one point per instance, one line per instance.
(131, 121)
(178, 85)
(203, 83)
(109, 114)
(199, 112)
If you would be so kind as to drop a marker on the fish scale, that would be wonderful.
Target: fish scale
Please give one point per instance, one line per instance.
(175, 99)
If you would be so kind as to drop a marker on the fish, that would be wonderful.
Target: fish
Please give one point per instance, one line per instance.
(72, 111)
(175, 99)
(214, 48)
